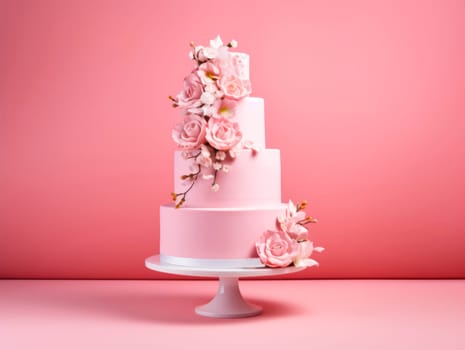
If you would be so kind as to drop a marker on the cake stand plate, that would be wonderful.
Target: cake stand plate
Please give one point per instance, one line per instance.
(228, 301)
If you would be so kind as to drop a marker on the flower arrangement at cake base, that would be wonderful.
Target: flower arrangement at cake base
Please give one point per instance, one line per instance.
(289, 243)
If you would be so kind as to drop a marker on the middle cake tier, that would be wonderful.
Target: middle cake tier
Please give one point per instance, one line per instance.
(253, 179)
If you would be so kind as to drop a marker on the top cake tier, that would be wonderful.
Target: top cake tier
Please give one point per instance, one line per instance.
(241, 62)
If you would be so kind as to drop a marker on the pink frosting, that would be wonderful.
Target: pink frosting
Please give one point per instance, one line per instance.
(252, 180)
(250, 114)
(214, 233)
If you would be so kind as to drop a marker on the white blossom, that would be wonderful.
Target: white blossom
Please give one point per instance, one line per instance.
(306, 262)
(233, 152)
(198, 53)
(211, 88)
(208, 110)
(217, 165)
(216, 43)
(220, 155)
(204, 161)
(215, 187)
(210, 53)
(205, 151)
(207, 98)
(247, 144)
(226, 168)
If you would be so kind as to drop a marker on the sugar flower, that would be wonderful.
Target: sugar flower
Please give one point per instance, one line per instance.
(207, 98)
(225, 108)
(216, 43)
(223, 134)
(291, 236)
(190, 134)
(220, 155)
(204, 161)
(289, 222)
(208, 72)
(304, 251)
(190, 96)
(276, 249)
(234, 87)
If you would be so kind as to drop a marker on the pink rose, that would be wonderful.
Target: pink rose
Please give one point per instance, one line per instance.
(234, 87)
(276, 249)
(289, 222)
(191, 133)
(208, 72)
(190, 96)
(223, 134)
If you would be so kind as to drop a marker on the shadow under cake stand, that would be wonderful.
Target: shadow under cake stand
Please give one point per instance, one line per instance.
(228, 301)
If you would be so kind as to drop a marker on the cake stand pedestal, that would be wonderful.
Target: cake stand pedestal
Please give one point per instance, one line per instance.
(228, 301)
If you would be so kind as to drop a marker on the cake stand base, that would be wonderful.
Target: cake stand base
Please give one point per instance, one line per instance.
(228, 301)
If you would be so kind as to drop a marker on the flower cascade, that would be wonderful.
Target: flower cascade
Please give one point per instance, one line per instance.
(289, 242)
(209, 134)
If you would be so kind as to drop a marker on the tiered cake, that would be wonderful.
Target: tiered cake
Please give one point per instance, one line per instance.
(227, 184)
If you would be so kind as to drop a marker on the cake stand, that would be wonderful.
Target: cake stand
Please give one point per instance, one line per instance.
(228, 301)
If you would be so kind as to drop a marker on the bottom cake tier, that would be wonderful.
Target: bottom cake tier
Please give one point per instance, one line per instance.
(214, 237)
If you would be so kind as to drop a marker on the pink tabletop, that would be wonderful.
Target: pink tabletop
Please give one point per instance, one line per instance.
(312, 314)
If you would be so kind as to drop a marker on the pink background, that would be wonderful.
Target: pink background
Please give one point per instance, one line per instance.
(366, 101)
